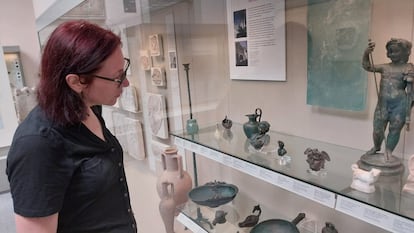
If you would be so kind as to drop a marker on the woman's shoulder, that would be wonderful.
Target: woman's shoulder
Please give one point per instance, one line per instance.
(35, 125)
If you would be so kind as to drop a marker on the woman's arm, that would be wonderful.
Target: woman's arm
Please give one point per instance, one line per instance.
(46, 224)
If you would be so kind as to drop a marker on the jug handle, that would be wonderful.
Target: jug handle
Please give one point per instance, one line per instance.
(258, 113)
(168, 192)
(180, 166)
(164, 165)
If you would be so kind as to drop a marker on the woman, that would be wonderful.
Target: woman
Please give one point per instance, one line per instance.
(64, 166)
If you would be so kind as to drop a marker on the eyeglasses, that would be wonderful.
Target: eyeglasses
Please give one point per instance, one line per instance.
(119, 79)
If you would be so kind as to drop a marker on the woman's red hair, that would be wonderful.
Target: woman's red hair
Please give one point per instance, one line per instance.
(74, 47)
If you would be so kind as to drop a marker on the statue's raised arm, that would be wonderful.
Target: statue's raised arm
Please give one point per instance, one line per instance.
(367, 62)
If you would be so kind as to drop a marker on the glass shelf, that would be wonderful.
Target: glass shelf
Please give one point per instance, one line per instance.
(234, 151)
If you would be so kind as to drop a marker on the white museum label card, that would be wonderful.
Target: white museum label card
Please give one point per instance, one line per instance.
(246, 167)
(403, 225)
(201, 150)
(178, 141)
(314, 193)
(194, 147)
(324, 197)
(380, 218)
(216, 156)
(256, 32)
(204, 151)
(285, 182)
(301, 188)
(227, 160)
(268, 176)
(187, 145)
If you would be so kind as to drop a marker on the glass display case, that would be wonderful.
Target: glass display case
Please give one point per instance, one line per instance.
(388, 207)
(300, 61)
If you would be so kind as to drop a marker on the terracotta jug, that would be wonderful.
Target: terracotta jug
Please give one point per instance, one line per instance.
(167, 206)
(173, 173)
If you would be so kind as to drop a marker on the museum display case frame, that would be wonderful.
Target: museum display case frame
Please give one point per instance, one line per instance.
(343, 134)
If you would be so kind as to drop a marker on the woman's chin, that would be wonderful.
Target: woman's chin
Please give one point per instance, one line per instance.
(112, 103)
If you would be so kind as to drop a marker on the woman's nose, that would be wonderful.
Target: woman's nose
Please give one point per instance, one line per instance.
(125, 83)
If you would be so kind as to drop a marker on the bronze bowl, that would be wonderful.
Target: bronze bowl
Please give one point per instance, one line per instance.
(213, 194)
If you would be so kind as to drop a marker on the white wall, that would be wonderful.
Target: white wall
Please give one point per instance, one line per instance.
(17, 27)
(284, 103)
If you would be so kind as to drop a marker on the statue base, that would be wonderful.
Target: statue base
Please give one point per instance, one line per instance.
(392, 166)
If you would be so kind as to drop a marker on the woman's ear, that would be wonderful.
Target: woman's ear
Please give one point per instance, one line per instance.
(75, 83)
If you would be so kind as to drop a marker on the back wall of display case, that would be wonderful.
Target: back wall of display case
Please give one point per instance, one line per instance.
(284, 104)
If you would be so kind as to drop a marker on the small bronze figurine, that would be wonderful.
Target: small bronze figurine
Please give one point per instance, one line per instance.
(316, 159)
(251, 220)
(258, 140)
(220, 217)
(227, 123)
(281, 151)
(329, 228)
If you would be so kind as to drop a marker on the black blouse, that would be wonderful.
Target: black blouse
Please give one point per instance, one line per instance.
(70, 171)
